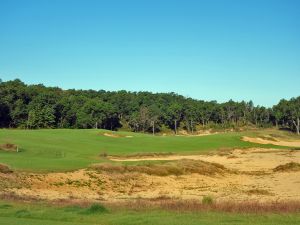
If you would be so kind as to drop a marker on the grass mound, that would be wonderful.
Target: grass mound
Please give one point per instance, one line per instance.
(5, 169)
(288, 167)
(177, 168)
(146, 154)
(71, 149)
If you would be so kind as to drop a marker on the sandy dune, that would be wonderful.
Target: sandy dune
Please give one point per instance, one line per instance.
(277, 142)
(242, 160)
(252, 179)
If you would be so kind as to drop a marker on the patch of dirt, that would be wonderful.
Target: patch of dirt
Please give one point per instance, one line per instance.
(9, 147)
(196, 133)
(272, 141)
(255, 159)
(5, 169)
(253, 179)
(112, 135)
(115, 135)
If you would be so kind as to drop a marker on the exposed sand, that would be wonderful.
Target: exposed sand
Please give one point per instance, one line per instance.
(253, 179)
(241, 160)
(275, 142)
(115, 135)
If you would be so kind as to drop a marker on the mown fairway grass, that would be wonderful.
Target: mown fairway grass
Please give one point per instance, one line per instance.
(66, 149)
(37, 214)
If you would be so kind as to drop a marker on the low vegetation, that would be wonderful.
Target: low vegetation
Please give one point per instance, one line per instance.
(95, 209)
(177, 168)
(288, 167)
(151, 212)
(9, 147)
(258, 192)
(207, 200)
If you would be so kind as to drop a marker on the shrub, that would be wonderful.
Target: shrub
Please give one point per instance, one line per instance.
(95, 208)
(103, 154)
(292, 166)
(207, 200)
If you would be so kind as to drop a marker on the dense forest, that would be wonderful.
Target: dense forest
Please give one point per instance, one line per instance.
(37, 106)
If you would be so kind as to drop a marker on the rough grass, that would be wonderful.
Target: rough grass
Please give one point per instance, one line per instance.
(67, 149)
(179, 167)
(95, 208)
(288, 167)
(152, 212)
(258, 192)
(208, 204)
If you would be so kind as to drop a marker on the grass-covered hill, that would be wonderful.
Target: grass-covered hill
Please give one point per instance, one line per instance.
(66, 149)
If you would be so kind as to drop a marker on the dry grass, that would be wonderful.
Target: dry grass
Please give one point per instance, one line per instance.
(194, 205)
(143, 155)
(9, 196)
(171, 204)
(259, 192)
(288, 167)
(177, 168)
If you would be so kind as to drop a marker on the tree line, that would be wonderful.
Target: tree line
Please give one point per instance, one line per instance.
(37, 106)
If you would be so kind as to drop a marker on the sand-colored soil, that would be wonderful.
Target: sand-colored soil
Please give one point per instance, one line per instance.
(273, 142)
(251, 178)
(113, 135)
(255, 159)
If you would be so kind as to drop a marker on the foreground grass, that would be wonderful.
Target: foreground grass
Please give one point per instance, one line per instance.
(33, 214)
(66, 149)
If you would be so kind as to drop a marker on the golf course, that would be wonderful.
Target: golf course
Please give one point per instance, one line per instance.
(67, 149)
(67, 176)
(149, 112)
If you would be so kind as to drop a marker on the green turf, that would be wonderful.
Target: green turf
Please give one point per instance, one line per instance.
(66, 149)
(31, 214)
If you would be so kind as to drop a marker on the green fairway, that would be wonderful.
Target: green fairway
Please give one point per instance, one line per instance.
(30, 214)
(67, 149)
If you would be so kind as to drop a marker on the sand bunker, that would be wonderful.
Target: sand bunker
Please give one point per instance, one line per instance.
(113, 135)
(252, 178)
(255, 159)
(9, 147)
(273, 142)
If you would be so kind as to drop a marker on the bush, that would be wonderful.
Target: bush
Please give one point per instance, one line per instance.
(289, 167)
(207, 200)
(95, 208)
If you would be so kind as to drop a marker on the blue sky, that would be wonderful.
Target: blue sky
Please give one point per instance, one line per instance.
(211, 50)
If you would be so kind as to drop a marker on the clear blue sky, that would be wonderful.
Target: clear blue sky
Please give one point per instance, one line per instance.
(211, 50)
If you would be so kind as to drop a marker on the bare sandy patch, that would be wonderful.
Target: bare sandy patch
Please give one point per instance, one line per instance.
(115, 135)
(273, 142)
(255, 159)
(252, 179)
(111, 135)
